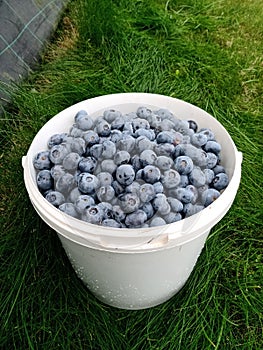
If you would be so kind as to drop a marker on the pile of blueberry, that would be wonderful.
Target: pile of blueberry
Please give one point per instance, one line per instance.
(141, 169)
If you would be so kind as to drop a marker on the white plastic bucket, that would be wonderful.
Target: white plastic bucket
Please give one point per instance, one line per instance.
(134, 268)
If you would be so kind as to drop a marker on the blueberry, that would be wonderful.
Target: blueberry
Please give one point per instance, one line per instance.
(183, 195)
(125, 174)
(175, 204)
(148, 209)
(194, 190)
(83, 202)
(105, 193)
(71, 161)
(75, 131)
(69, 209)
(164, 113)
(135, 162)
(108, 149)
(164, 162)
(87, 165)
(147, 157)
(117, 213)
(111, 114)
(220, 181)
(87, 183)
(166, 137)
(193, 125)
(164, 149)
(197, 177)
(184, 181)
(218, 169)
(129, 202)
(55, 198)
(96, 150)
(158, 187)
(118, 188)
(128, 128)
(41, 161)
(44, 180)
(211, 160)
(209, 175)
(115, 136)
(134, 187)
(160, 204)
(73, 195)
(148, 133)
(83, 120)
(165, 125)
(58, 153)
(172, 217)
(105, 178)
(108, 165)
(143, 112)
(117, 124)
(197, 155)
(121, 157)
(143, 143)
(65, 183)
(191, 209)
(135, 219)
(151, 174)
(170, 178)
(140, 123)
(56, 139)
(127, 143)
(208, 133)
(91, 138)
(106, 207)
(146, 192)
(212, 146)
(209, 196)
(56, 171)
(198, 139)
(111, 223)
(93, 214)
(77, 145)
(183, 164)
(157, 221)
(103, 128)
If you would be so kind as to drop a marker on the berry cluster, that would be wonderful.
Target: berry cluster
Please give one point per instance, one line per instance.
(142, 169)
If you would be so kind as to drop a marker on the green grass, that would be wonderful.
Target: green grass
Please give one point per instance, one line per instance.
(208, 53)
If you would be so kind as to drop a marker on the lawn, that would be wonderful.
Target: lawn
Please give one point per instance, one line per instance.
(205, 52)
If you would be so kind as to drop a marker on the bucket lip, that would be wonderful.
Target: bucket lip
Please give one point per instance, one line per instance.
(131, 232)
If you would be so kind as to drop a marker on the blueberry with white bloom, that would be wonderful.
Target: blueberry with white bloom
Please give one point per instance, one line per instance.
(69, 209)
(183, 195)
(103, 128)
(71, 161)
(127, 143)
(191, 209)
(73, 195)
(172, 217)
(143, 143)
(148, 157)
(218, 169)
(93, 214)
(77, 145)
(83, 120)
(55, 198)
(91, 138)
(121, 157)
(170, 178)
(158, 187)
(164, 149)
(144, 112)
(183, 164)
(129, 202)
(146, 192)
(164, 162)
(197, 177)
(148, 133)
(83, 202)
(111, 223)
(160, 204)
(108, 165)
(157, 221)
(96, 150)
(208, 133)
(140, 123)
(148, 209)
(175, 204)
(111, 114)
(56, 171)
(56, 139)
(209, 175)
(193, 125)
(65, 183)
(211, 160)
(105, 178)
(125, 174)
(74, 131)
(87, 164)
(135, 219)
(108, 149)
(212, 146)
(151, 174)
(58, 153)
(105, 193)
(87, 183)
(198, 139)
(117, 213)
